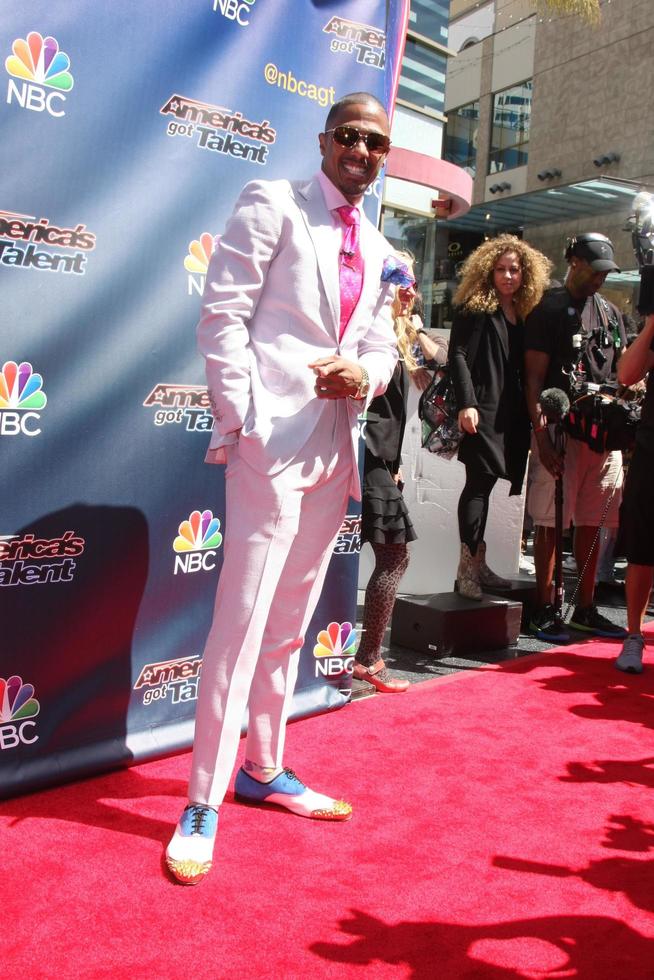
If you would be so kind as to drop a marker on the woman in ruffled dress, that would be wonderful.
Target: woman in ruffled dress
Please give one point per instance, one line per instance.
(386, 523)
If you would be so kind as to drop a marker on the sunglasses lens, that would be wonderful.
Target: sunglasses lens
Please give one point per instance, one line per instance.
(349, 136)
(377, 143)
(346, 135)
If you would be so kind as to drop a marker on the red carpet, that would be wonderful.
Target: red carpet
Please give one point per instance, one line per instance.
(503, 828)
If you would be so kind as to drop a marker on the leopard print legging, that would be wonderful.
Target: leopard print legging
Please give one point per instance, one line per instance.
(391, 561)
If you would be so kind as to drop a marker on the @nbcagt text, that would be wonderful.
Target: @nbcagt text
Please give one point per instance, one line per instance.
(296, 86)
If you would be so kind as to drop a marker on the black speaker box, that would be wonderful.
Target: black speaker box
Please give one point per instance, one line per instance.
(444, 624)
(521, 590)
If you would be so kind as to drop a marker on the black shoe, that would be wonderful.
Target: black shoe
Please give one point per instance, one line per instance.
(589, 620)
(544, 626)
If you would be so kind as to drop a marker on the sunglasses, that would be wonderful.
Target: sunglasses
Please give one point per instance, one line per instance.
(349, 136)
(408, 285)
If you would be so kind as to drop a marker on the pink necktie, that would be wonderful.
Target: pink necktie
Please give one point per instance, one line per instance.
(350, 274)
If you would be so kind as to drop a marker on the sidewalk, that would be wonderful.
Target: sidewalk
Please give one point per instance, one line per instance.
(416, 667)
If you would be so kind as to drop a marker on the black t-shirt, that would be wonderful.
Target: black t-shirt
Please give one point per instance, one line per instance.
(645, 431)
(571, 331)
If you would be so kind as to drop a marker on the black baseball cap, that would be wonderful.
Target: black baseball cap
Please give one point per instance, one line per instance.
(596, 249)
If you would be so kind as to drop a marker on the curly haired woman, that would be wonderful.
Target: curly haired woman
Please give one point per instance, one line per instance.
(501, 282)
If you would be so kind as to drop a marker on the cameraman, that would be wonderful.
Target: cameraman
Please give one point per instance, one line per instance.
(573, 335)
(637, 516)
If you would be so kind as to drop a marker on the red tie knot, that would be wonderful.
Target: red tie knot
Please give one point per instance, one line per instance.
(349, 214)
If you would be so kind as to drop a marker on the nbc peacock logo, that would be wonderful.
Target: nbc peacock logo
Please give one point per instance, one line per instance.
(18, 707)
(196, 262)
(334, 651)
(42, 73)
(237, 11)
(196, 544)
(21, 399)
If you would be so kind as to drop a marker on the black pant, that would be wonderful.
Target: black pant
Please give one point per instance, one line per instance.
(473, 507)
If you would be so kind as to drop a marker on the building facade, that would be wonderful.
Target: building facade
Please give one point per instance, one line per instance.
(417, 178)
(552, 119)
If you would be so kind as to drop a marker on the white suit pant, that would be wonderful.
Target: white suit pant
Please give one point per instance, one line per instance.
(279, 534)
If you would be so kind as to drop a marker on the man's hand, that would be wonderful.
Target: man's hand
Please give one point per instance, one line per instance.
(468, 420)
(551, 460)
(336, 377)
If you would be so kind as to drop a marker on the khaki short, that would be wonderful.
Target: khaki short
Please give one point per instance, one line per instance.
(591, 481)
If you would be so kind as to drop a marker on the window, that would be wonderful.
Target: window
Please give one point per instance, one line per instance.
(430, 18)
(422, 81)
(415, 234)
(460, 139)
(510, 131)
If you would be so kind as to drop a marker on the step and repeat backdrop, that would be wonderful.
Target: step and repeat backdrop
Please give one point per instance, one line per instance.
(128, 132)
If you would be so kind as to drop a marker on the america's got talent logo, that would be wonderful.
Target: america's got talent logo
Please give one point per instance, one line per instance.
(197, 542)
(366, 44)
(38, 74)
(18, 707)
(26, 559)
(176, 680)
(20, 238)
(348, 541)
(177, 404)
(21, 399)
(218, 129)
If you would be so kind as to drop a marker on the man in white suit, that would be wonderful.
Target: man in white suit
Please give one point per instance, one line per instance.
(297, 334)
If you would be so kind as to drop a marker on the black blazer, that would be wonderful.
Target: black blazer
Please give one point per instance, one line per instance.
(386, 420)
(493, 384)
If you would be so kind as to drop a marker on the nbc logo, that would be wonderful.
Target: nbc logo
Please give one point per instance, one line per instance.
(196, 262)
(236, 10)
(21, 399)
(17, 707)
(40, 65)
(195, 545)
(334, 651)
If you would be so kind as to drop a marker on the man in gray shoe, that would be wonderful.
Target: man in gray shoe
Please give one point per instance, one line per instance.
(637, 518)
(573, 331)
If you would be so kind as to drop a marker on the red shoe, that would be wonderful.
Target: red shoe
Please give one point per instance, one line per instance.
(379, 677)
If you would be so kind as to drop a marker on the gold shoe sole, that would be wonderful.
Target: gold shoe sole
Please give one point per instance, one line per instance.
(188, 872)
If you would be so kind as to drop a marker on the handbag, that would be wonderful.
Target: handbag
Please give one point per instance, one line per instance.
(438, 414)
(437, 408)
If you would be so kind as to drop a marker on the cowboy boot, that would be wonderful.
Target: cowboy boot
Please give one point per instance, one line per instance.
(467, 575)
(487, 578)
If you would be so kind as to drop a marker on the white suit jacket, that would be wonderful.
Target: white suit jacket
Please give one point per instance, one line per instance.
(271, 306)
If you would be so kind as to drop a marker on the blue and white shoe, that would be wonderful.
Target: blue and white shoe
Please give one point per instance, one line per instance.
(190, 851)
(288, 792)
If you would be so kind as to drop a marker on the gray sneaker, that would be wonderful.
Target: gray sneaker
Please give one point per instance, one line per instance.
(631, 655)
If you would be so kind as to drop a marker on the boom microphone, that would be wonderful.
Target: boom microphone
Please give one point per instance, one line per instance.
(554, 404)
